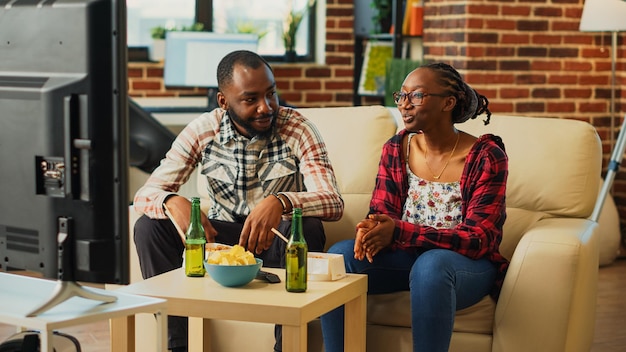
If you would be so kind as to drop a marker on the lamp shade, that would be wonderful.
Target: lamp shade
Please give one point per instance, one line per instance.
(603, 16)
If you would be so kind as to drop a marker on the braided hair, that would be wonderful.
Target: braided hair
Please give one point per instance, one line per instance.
(469, 104)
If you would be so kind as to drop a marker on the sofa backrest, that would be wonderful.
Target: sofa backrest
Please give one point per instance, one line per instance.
(554, 164)
(554, 170)
(354, 137)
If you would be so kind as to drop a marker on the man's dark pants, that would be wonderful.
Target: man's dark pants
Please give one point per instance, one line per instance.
(160, 250)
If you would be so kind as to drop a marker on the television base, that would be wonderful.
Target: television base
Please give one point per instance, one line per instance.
(66, 290)
(66, 287)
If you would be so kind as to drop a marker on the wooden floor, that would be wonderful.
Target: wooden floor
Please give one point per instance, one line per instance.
(610, 328)
(610, 331)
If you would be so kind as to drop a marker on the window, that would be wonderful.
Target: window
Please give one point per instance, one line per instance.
(143, 15)
(264, 17)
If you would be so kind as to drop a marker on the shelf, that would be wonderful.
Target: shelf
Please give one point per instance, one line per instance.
(404, 46)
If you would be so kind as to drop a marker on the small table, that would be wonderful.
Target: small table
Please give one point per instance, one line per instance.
(258, 301)
(21, 294)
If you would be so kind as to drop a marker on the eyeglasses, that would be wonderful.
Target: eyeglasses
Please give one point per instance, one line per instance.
(415, 98)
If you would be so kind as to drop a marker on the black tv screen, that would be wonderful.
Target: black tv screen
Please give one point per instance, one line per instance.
(64, 139)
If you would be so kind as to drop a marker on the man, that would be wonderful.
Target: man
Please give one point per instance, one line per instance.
(260, 161)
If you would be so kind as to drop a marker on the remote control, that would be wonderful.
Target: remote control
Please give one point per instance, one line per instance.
(269, 277)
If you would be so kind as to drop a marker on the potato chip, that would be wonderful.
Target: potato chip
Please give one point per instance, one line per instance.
(237, 255)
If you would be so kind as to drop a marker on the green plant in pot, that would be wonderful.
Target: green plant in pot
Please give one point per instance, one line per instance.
(290, 29)
(159, 32)
(157, 51)
(196, 27)
(250, 28)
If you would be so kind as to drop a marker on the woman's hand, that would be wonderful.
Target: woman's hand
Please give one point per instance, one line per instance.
(362, 228)
(373, 234)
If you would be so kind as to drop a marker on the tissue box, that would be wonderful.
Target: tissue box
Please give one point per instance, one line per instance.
(325, 266)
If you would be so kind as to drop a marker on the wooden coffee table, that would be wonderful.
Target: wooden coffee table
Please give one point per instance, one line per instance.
(257, 301)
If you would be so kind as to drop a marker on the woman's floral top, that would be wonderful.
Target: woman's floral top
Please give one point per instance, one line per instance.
(436, 204)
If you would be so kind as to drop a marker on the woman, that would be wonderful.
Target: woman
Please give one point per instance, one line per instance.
(436, 213)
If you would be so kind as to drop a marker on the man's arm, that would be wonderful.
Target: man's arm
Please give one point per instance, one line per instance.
(177, 166)
(178, 209)
(321, 198)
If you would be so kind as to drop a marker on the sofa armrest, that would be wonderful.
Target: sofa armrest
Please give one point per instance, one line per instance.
(548, 299)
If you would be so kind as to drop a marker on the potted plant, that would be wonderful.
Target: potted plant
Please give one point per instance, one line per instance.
(159, 32)
(157, 52)
(250, 28)
(196, 27)
(290, 29)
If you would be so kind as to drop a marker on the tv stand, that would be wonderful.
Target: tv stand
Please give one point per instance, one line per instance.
(65, 290)
(66, 287)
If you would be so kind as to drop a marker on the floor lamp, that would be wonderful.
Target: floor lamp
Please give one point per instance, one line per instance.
(607, 16)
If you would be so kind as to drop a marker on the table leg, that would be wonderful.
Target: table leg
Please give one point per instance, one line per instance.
(123, 334)
(355, 324)
(46, 341)
(161, 325)
(295, 338)
(199, 335)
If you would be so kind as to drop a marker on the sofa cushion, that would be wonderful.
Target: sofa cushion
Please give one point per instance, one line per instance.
(392, 309)
(547, 177)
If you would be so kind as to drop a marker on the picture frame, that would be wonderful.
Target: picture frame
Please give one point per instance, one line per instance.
(373, 72)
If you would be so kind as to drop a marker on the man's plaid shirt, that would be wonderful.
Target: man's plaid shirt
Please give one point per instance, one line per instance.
(240, 172)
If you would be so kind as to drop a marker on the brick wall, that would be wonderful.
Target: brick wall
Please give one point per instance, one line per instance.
(528, 57)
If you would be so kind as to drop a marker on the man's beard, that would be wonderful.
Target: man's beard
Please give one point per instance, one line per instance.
(253, 132)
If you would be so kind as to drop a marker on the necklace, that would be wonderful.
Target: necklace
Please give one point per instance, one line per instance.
(436, 177)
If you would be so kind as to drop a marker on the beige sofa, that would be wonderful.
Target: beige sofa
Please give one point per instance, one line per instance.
(549, 295)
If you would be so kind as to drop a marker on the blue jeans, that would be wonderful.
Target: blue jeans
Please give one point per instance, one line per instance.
(440, 282)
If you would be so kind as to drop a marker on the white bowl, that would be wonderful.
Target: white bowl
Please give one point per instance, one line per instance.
(210, 248)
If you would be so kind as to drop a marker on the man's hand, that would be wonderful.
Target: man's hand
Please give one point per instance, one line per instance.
(256, 235)
(179, 209)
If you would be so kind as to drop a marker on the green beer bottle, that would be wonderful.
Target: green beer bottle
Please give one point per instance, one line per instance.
(194, 242)
(296, 255)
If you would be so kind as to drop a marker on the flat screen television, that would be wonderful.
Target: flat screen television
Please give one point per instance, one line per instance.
(64, 140)
(191, 58)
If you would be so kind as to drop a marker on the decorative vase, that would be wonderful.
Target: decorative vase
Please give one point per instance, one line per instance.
(290, 56)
